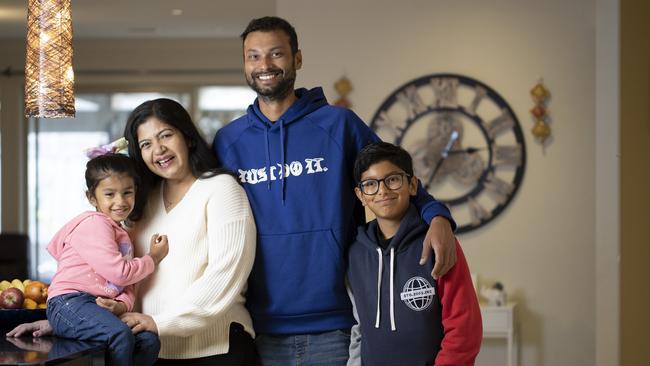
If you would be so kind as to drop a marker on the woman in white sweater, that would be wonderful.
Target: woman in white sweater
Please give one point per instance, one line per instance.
(195, 299)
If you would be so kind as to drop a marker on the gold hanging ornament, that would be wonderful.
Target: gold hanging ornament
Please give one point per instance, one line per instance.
(49, 78)
(343, 87)
(541, 130)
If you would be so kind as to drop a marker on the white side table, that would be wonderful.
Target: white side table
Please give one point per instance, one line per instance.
(498, 322)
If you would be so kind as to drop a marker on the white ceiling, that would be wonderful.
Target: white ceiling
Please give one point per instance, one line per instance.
(145, 18)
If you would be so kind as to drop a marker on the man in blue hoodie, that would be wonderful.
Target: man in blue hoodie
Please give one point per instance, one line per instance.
(294, 153)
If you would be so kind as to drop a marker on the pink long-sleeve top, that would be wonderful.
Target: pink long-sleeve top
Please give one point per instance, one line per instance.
(95, 255)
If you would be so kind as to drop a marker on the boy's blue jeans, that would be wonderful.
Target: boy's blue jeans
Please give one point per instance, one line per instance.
(76, 315)
(321, 349)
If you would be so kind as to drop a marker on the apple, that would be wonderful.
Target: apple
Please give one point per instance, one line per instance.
(37, 291)
(11, 298)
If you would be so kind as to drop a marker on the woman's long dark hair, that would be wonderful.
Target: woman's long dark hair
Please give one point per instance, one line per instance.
(203, 163)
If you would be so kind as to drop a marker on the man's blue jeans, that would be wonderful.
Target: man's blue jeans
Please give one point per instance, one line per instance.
(321, 349)
(76, 315)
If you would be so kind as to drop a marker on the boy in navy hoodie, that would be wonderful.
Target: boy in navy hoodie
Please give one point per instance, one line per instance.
(405, 317)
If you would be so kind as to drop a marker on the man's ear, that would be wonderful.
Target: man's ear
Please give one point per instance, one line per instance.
(91, 198)
(297, 60)
(359, 195)
(413, 186)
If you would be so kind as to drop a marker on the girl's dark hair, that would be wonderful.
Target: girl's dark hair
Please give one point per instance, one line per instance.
(203, 162)
(103, 166)
(382, 151)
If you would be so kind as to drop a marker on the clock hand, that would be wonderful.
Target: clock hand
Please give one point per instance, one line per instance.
(469, 150)
(443, 155)
(433, 173)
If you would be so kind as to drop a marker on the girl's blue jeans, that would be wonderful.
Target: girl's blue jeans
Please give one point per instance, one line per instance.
(76, 315)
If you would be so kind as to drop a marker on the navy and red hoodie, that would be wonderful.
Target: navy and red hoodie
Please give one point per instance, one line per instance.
(297, 173)
(406, 317)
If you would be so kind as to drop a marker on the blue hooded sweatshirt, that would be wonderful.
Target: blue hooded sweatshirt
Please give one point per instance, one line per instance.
(297, 172)
(397, 300)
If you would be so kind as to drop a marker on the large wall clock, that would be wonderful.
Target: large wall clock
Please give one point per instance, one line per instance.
(467, 145)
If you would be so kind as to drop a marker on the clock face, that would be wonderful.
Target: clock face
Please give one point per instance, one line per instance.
(466, 142)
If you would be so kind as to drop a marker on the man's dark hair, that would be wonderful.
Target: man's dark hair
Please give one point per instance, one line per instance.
(382, 151)
(270, 24)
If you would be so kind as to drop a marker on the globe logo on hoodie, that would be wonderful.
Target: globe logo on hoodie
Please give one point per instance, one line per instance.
(417, 293)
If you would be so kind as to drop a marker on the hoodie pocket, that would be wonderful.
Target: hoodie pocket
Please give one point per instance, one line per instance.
(298, 274)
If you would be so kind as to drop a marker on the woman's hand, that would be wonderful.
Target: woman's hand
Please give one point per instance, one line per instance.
(39, 328)
(116, 307)
(139, 322)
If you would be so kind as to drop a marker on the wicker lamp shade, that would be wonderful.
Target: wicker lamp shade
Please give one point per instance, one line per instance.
(49, 79)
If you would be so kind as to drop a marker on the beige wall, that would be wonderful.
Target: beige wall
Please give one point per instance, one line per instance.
(543, 246)
(635, 175)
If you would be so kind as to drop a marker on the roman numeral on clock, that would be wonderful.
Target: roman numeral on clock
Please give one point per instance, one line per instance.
(412, 102)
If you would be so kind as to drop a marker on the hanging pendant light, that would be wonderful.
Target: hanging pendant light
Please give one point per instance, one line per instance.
(49, 79)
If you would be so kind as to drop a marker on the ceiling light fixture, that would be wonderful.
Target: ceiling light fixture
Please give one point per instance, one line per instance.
(49, 78)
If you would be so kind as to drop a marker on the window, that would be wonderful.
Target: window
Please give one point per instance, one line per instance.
(219, 105)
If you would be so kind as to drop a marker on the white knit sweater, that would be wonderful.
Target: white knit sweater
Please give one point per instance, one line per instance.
(199, 288)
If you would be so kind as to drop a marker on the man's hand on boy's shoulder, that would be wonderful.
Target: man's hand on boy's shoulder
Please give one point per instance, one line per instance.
(441, 240)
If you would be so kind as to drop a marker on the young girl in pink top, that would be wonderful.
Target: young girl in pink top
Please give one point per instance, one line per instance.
(96, 270)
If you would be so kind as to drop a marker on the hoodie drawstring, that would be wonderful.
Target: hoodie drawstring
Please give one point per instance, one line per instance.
(282, 152)
(392, 285)
(268, 157)
(379, 273)
(283, 171)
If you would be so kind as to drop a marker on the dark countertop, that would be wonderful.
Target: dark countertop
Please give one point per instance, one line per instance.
(49, 351)
(45, 350)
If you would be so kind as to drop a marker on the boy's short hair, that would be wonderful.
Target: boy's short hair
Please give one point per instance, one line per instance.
(270, 24)
(377, 152)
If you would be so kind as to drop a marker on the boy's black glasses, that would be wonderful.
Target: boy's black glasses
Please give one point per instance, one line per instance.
(393, 182)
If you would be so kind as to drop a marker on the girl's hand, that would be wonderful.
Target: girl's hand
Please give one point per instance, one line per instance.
(158, 248)
(139, 322)
(39, 328)
(116, 307)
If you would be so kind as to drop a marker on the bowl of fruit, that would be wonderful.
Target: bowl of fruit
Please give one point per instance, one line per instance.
(21, 302)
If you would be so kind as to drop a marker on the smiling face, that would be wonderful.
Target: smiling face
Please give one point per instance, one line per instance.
(387, 204)
(269, 64)
(164, 150)
(114, 196)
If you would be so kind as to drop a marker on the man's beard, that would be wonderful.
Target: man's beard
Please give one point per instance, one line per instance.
(277, 92)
